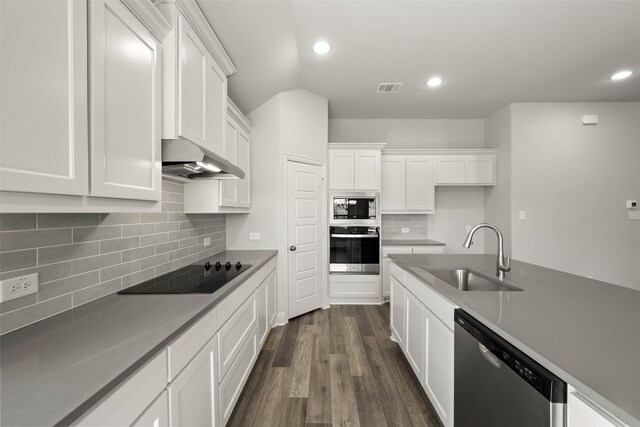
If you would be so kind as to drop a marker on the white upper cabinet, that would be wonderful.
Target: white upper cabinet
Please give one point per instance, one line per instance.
(125, 104)
(226, 195)
(470, 169)
(408, 185)
(195, 69)
(43, 97)
(354, 166)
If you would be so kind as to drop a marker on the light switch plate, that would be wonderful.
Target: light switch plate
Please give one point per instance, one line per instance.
(18, 287)
(254, 236)
(523, 215)
(207, 241)
(405, 230)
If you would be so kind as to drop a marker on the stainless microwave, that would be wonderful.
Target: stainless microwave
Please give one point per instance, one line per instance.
(355, 209)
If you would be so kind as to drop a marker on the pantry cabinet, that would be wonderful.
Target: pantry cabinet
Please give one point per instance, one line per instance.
(408, 184)
(125, 104)
(354, 166)
(43, 97)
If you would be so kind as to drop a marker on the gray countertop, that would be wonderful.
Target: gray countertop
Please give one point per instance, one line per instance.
(51, 372)
(409, 242)
(585, 331)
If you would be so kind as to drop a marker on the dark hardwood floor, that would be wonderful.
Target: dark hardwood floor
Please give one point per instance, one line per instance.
(333, 367)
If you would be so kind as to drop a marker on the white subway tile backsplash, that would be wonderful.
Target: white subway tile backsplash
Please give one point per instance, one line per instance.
(392, 226)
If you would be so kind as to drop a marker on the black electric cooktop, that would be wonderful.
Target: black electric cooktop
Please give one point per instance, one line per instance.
(193, 279)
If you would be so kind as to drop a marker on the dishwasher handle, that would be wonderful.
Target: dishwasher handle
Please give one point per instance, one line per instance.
(491, 358)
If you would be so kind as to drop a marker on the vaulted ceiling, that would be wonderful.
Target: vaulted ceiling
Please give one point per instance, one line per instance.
(489, 53)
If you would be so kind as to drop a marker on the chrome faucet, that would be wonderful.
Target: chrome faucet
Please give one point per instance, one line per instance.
(501, 265)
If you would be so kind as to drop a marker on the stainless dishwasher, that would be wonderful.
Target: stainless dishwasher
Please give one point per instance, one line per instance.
(498, 385)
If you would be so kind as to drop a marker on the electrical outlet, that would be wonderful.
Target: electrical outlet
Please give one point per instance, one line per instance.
(523, 215)
(18, 287)
(207, 241)
(405, 230)
(254, 236)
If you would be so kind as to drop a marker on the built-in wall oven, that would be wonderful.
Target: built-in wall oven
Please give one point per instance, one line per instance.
(355, 209)
(354, 249)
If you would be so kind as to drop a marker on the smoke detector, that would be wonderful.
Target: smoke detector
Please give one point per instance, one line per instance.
(389, 87)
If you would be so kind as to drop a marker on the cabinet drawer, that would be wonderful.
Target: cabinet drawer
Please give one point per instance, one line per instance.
(438, 305)
(263, 273)
(346, 286)
(233, 301)
(234, 334)
(125, 404)
(390, 250)
(397, 272)
(231, 385)
(156, 415)
(186, 346)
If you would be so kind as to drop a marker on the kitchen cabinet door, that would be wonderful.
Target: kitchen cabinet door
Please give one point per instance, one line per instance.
(438, 374)
(451, 170)
(420, 191)
(193, 394)
(271, 298)
(582, 412)
(263, 321)
(202, 92)
(397, 311)
(394, 184)
(341, 170)
(229, 187)
(156, 415)
(480, 169)
(244, 163)
(43, 97)
(125, 104)
(367, 170)
(414, 346)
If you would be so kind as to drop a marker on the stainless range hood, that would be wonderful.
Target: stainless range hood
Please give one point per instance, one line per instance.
(186, 160)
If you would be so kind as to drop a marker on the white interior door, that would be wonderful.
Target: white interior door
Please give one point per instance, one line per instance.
(306, 274)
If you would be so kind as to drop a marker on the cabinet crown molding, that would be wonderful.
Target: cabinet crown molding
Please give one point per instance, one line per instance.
(199, 22)
(439, 151)
(237, 115)
(356, 146)
(150, 16)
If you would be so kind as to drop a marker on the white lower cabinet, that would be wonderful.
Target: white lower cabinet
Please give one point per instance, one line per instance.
(156, 415)
(424, 337)
(235, 332)
(397, 312)
(263, 321)
(415, 337)
(438, 372)
(271, 298)
(231, 385)
(193, 394)
(582, 412)
(399, 250)
(354, 288)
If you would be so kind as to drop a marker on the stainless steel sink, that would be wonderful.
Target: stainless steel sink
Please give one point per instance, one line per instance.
(469, 280)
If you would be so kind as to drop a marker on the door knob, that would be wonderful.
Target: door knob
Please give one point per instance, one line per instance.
(292, 248)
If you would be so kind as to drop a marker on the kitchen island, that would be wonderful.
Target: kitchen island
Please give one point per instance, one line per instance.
(585, 331)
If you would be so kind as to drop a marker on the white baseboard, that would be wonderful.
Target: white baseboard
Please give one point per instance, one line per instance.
(281, 319)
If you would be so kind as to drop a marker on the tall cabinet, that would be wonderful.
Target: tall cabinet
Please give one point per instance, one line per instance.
(68, 143)
(354, 166)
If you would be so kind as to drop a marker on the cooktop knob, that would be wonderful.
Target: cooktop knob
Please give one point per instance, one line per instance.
(228, 265)
(207, 265)
(218, 265)
(238, 265)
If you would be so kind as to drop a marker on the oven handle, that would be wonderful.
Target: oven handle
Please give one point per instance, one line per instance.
(356, 236)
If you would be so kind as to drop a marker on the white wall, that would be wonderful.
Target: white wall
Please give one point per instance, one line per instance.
(497, 199)
(573, 181)
(457, 207)
(399, 133)
(293, 123)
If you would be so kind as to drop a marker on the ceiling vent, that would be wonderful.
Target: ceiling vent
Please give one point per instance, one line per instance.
(389, 87)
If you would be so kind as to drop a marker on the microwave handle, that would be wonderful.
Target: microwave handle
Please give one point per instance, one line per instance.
(356, 236)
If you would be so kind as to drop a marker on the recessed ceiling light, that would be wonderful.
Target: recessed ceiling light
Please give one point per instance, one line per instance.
(621, 75)
(321, 48)
(434, 82)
